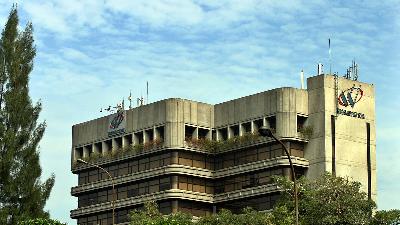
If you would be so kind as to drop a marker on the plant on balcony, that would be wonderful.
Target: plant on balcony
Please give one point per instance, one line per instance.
(213, 146)
(306, 131)
(127, 150)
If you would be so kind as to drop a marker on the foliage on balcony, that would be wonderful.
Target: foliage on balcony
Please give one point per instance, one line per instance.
(127, 150)
(213, 146)
(306, 131)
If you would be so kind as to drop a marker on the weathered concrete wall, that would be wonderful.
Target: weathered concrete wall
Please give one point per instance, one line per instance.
(284, 103)
(350, 132)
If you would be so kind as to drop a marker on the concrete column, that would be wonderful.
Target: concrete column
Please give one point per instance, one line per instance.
(195, 134)
(174, 206)
(253, 127)
(95, 149)
(86, 152)
(77, 154)
(174, 182)
(241, 129)
(114, 145)
(174, 158)
(218, 134)
(104, 148)
(156, 133)
(265, 122)
(135, 139)
(287, 173)
(209, 135)
(230, 132)
(125, 141)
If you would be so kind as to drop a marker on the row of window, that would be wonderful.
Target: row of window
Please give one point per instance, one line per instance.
(121, 216)
(258, 203)
(124, 168)
(188, 183)
(246, 181)
(193, 159)
(125, 191)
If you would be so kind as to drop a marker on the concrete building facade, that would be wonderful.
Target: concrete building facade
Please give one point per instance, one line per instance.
(198, 158)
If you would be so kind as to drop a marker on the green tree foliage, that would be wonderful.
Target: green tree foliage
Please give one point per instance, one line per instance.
(41, 221)
(22, 194)
(248, 217)
(326, 200)
(389, 217)
(151, 216)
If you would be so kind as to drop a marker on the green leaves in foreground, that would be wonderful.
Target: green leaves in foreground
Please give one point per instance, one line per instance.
(41, 221)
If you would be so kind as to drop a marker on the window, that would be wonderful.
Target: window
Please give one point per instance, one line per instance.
(165, 207)
(234, 130)
(165, 183)
(301, 120)
(271, 121)
(246, 127)
(203, 133)
(190, 132)
(222, 133)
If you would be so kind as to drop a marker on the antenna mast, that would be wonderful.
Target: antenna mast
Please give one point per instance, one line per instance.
(147, 92)
(130, 99)
(330, 58)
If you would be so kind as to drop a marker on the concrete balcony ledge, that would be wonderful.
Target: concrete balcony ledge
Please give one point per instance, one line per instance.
(172, 193)
(243, 193)
(262, 164)
(262, 140)
(175, 194)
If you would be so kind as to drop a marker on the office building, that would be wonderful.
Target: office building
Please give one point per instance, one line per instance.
(198, 158)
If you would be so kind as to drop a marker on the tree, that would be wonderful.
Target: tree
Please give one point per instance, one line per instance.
(383, 217)
(22, 194)
(326, 200)
(41, 221)
(151, 216)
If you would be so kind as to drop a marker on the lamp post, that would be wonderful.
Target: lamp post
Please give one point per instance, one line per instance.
(112, 182)
(266, 132)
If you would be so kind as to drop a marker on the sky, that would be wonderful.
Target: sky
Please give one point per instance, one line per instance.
(91, 54)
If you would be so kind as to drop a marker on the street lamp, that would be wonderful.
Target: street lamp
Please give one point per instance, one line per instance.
(266, 132)
(112, 182)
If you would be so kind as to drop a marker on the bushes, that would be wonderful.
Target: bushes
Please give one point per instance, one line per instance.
(128, 150)
(40, 221)
(214, 146)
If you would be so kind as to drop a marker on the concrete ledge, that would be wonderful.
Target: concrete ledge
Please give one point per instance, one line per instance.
(244, 193)
(172, 193)
(175, 194)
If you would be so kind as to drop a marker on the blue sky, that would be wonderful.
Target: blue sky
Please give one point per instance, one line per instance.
(90, 54)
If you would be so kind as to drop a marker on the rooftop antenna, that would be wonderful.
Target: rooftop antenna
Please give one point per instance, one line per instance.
(147, 92)
(330, 57)
(302, 79)
(130, 99)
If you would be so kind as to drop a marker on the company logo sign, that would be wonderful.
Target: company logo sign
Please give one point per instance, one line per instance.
(350, 96)
(116, 123)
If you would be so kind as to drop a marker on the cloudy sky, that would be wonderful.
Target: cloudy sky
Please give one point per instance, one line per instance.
(91, 53)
